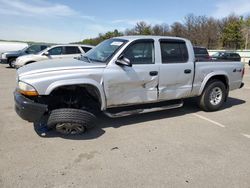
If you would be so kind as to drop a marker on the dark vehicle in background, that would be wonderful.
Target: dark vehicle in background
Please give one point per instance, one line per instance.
(10, 57)
(201, 54)
(228, 56)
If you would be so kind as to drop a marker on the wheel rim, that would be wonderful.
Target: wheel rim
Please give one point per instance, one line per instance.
(70, 128)
(215, 96)
(12, 63)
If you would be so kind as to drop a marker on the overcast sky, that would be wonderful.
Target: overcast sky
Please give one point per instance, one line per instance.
(67, 21)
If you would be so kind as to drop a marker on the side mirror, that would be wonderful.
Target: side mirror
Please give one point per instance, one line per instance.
(123, 61)
(46, 53)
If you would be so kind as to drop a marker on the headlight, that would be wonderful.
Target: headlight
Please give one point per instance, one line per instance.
(26, 89)
(3, 56)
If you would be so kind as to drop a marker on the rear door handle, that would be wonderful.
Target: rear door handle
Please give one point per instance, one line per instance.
(153, 73)
(187, 71)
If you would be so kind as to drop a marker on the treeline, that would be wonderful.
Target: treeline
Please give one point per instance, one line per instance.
(232, 32)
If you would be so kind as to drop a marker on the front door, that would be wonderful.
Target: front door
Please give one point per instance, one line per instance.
(125, 85)
(55, 53)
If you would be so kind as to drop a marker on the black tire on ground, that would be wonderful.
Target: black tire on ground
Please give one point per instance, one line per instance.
(71, 121)
(11, 62)
(213, 96)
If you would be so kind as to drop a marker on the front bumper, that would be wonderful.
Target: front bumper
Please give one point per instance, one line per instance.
(28, 109)
(3, 61)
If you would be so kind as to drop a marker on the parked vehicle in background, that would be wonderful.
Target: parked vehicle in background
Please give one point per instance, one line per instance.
(227, 56)
(53, 52)
(122, 76)
(11, 46)
(10, 57)
(201, 54)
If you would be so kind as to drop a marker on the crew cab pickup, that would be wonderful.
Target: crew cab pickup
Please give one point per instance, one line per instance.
(122, 76)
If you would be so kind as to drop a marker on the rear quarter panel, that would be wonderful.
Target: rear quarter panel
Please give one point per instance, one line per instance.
(206, 70)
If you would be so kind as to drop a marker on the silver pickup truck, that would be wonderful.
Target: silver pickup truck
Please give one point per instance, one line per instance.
(122, 76)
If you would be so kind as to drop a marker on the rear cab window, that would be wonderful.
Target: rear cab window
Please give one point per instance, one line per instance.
(85, 49)
(200, 51)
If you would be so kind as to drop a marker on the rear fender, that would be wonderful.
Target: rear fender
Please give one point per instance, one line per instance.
(210, 76)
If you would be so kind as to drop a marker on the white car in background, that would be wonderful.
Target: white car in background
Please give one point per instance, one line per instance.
(11, 46)
(54, 52)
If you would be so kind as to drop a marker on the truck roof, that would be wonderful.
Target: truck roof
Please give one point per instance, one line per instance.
(84, 45)
(136, 37)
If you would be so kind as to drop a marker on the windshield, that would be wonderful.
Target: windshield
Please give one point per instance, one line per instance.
(23, 50)
(105, 50)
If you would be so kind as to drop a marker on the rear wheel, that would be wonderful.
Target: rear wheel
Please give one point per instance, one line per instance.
(213, 96)
(12, 62)
(70, 121)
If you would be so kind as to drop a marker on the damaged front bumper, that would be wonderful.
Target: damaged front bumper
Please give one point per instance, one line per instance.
(28, 109)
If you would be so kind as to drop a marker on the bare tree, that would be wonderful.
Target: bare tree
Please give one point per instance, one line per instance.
(178, 30)
(162, 29)
(142, 28)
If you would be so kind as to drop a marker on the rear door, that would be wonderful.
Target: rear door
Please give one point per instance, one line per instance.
(176, 70)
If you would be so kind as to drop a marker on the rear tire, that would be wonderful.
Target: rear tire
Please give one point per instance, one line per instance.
(213, 96)
(11, 62)
(70, 121)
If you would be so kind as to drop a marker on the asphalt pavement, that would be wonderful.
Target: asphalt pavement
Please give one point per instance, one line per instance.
(183, 147)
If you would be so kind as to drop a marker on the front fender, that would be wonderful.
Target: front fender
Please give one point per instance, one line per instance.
(94, 83)
(211, 75)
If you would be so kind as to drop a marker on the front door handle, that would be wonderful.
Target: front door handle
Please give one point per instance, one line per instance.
(153, 73)
(187, 71)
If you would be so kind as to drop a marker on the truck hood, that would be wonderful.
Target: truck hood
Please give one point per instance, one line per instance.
(13, 52)
(57, 65)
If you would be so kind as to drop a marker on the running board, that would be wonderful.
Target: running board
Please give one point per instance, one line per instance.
(142, 111)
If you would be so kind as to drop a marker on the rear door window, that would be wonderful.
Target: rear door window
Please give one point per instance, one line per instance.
(72, 50)
(174, 51)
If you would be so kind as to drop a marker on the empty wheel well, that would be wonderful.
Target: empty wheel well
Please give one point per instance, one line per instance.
(76, 96)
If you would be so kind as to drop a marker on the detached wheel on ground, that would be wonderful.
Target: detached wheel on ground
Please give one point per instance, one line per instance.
(213, 96)
(71, 121)
(12, 62)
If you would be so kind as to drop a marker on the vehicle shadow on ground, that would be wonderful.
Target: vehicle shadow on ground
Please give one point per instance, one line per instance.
(8, 67)
(190, 106)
